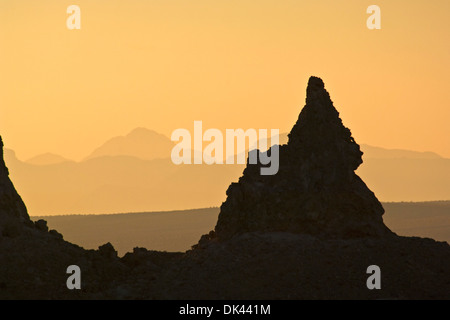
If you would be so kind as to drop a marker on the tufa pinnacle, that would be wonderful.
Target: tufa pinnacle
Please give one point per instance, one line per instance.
(315, 191)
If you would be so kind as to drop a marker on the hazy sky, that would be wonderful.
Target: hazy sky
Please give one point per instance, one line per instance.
(162, 64)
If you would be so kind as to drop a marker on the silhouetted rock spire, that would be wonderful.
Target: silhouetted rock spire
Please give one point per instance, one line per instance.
(12, 208)
(315, 191)
(319, 133)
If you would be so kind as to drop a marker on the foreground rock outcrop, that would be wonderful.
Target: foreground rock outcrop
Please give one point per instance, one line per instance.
(315, 191)
(12, 208)
(309, 232)
(282, 265)
(34, 259)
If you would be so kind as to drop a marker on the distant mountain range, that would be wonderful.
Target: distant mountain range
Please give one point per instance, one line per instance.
(135, 173)
(147, 144)
(371, 152)
(47, 159)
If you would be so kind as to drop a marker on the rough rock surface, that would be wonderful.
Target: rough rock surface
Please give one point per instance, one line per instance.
(315, 191)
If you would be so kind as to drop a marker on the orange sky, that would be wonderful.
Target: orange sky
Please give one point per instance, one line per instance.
(231, 63)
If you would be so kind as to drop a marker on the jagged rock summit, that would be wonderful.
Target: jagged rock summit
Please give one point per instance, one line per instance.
(12, 208)
(315, 191)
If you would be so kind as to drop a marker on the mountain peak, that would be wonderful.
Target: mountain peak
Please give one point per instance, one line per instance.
(140, 143)
(47, 159)
(141, 131)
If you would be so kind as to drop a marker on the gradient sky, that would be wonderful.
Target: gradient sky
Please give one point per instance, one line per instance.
(231, 63)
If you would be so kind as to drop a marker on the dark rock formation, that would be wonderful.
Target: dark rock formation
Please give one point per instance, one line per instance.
(13, 213)
(315, 191)
(34, 260)
(41, 225)
(281, 265)
(107, 250)
(12, 208)
(335, 233)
